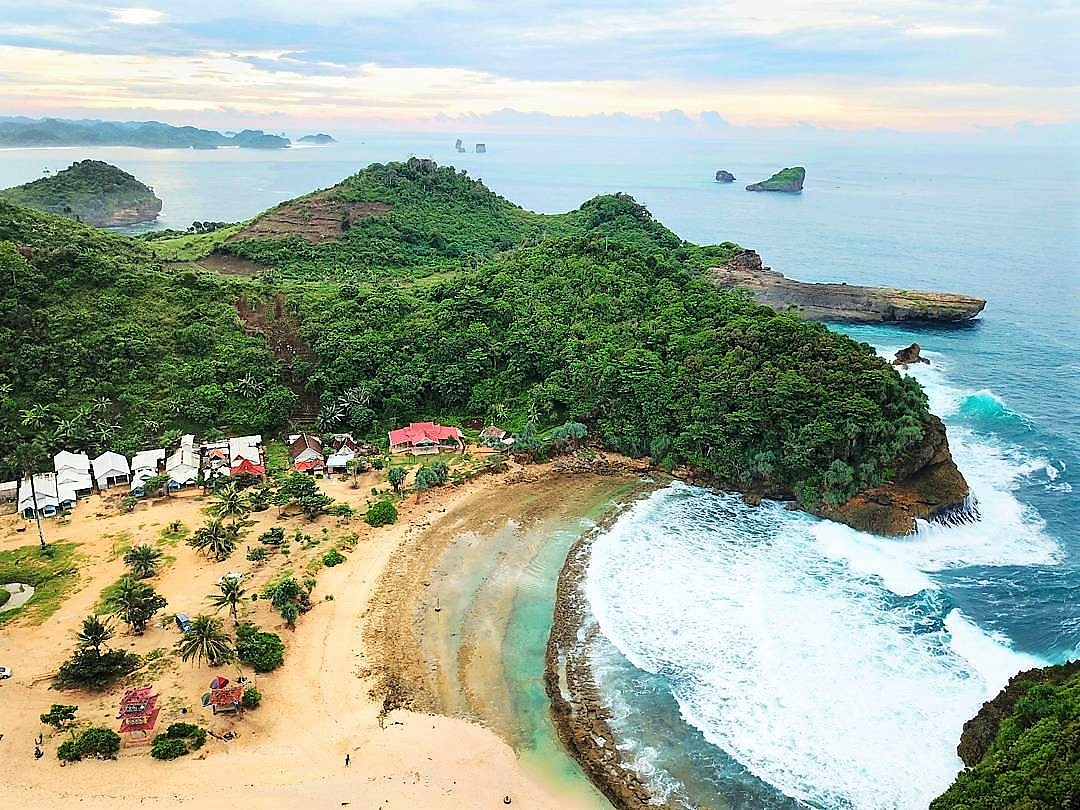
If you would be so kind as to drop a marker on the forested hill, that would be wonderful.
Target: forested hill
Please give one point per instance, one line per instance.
(90, 191)
(104, 349)
(425, 295)
(20, 131)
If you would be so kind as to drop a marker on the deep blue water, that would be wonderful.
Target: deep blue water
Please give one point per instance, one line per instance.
(800, 635)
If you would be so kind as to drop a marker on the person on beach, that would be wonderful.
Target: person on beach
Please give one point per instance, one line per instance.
(347, 760)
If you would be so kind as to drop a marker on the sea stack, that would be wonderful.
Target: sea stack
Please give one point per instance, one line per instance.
(459, 146)
(789, 181)
(481, 148)
(912, 354)
(724, 176)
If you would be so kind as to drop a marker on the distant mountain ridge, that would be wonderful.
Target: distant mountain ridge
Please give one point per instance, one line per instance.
(30, 132)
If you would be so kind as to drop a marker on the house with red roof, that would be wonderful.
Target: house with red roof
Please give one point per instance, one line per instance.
(423, 438)
(306, 452)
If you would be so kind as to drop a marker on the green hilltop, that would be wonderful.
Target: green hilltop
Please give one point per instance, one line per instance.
(90, 191)
(411, 291)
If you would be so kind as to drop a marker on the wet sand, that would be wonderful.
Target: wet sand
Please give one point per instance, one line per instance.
(461, 619)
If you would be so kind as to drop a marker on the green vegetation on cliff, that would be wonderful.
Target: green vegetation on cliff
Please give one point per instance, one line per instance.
(1023, 748)
(145, 134)
(789, 180)
(106, 349)
(90, 191)
(411, 291)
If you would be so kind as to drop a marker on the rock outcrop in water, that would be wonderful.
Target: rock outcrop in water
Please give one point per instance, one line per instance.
(723, 176)
(927, 486)
(788, 181)
(912, 354)
(843, 302)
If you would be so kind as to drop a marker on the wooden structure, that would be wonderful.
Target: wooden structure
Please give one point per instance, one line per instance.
(138, 714)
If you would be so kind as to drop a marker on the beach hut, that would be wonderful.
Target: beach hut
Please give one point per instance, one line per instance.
(73, 470)
(183, 465)
(9, 492)
(47, 494)
(138, 714)
(424, 438)
(306, 452)
(245, 456)
(338, 462)
(110, 470)
(144, 466)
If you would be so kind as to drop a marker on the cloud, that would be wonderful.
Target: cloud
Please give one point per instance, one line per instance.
(136, 16)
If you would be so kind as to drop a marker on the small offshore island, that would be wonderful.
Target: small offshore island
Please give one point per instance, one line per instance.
(92, 192)
(577, 360)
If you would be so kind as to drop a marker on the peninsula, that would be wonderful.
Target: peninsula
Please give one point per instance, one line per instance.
(842, 303)
(90, 191)
(36, 132)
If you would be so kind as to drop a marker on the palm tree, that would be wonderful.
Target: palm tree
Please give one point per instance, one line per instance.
(33, 416)
(143, 560)
(230, 501)
(232, 592)
(95, 632)
(136, 603)
(215, 539)
(205, 641)
(249, 386)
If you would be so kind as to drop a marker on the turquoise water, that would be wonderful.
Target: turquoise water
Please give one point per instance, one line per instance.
(761, 658)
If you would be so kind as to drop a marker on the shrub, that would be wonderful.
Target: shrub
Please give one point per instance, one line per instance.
(97, 742)
(127, 504)
(273, 537)
(252, 698)
(189, 731)
(59, 716)
(340, 510)
(256, 554)
(87, 668)
(382, 513)
(167, 748)
(261, 651)
(333, 557)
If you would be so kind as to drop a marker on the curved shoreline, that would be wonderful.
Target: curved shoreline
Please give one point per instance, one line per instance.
(578, 711)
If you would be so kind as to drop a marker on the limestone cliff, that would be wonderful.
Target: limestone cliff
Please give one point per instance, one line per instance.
(926, 486)
(843, 302)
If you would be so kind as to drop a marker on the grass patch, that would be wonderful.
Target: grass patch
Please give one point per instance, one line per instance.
(191, 246)
(52, 576)
(277, 457)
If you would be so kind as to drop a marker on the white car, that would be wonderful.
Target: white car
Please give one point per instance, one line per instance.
(5, 672)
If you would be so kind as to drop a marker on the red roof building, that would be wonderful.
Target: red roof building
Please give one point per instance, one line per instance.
(421, 438)
(249, 467)
(310, 466)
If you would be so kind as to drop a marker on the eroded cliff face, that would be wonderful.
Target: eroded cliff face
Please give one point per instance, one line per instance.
(926, 486)
(843, 302)
(145, 211)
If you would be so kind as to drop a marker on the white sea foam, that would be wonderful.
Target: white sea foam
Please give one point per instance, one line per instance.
(825, 660)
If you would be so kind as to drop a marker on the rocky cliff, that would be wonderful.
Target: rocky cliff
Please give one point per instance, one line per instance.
(843, 302)
(723, 176)
(926, 486)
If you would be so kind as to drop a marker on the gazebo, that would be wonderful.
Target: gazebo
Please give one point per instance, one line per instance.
(138, 714)
(224, 696)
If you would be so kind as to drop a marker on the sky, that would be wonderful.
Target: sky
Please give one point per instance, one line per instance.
(687, 65)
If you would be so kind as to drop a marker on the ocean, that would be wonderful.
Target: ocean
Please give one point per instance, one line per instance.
(761, 658)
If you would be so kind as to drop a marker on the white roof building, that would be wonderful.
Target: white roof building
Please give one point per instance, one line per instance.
(48, 492)
(9, 490)
(80, 462)
(183, 465)
(73, 469)
(245, 447)
(148, 460)
(110, 469)
(338, 460)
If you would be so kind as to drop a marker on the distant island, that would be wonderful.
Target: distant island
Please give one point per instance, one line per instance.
(92, 192)
(30, 132)
(321, 139)
(724, 176)
(786, 180)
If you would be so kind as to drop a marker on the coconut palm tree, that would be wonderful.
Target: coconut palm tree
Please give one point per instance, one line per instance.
(143, 560)
(136, 603)
(230, 501)
(95, 631)
(215, 539)
(230, 596)
(205, 641)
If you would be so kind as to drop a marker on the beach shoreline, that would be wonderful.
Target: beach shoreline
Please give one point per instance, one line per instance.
(578, 709)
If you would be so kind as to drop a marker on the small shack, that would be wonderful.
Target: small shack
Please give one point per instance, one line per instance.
(110, 470)
(138, 714)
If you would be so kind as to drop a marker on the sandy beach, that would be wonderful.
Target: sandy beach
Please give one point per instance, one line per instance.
(329, 698)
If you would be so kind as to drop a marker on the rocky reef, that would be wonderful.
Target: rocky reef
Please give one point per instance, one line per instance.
(926, 486)
(91, 192)
(789, 181)
(723, 176)
(911, 354)
(843, 302)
